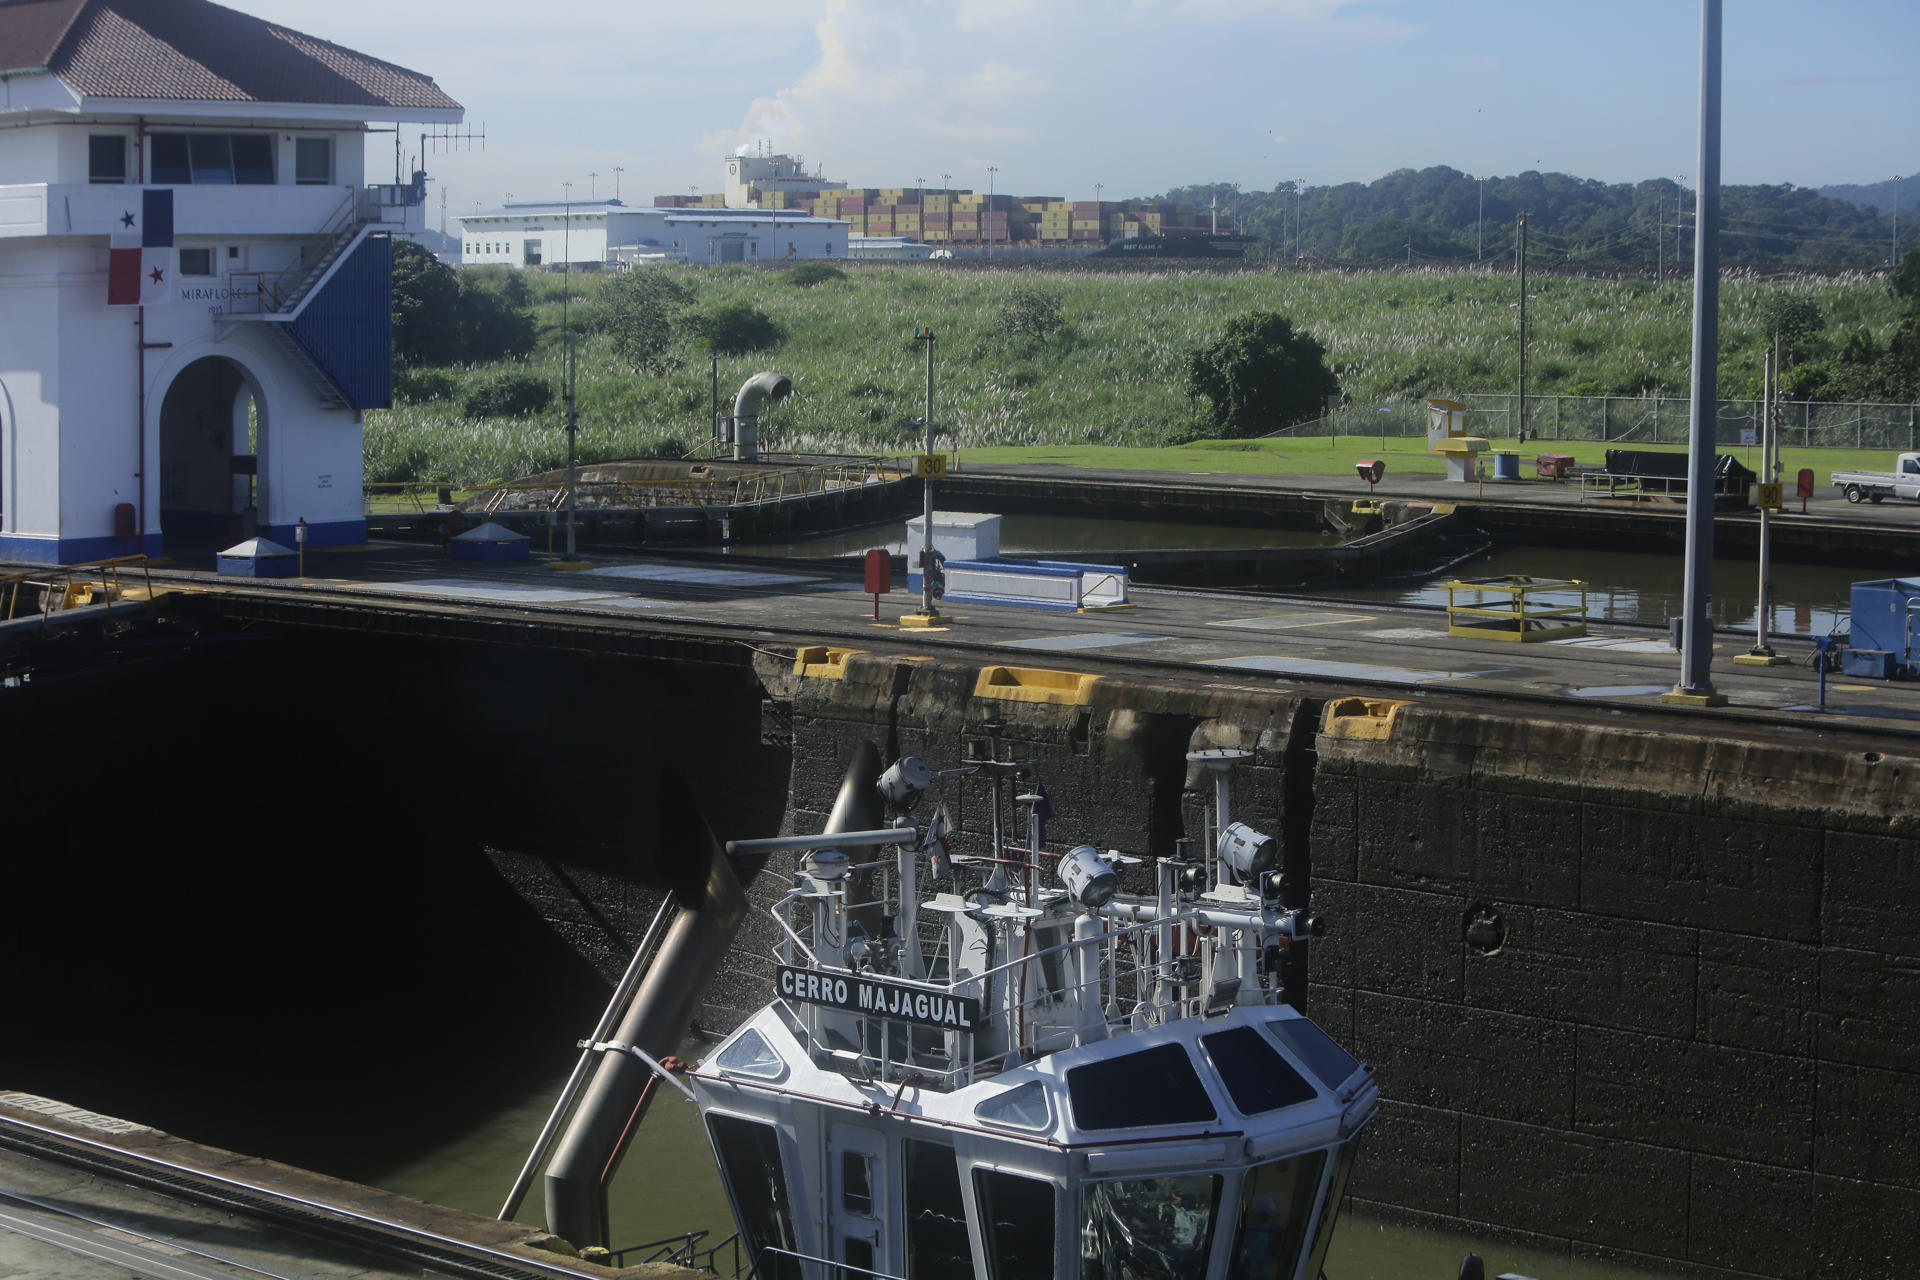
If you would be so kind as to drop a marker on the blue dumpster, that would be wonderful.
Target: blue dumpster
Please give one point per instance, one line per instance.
(1506, 464)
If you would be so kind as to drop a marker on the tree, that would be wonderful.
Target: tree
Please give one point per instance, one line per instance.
(1794, 321)
(426, 307)
(1260, 375)
(736, 328)
(640, 312)
(1031, 312)
(444, 316)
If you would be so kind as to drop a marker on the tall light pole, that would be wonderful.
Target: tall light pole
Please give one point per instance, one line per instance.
(991, 170)
(617, 171)
(1695, 686)
(1480, 225)
(1894, 261)
(1680, 214)
(567, 373)
(1299, 231)
(593, 184)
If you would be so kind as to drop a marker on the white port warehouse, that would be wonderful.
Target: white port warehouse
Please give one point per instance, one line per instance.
(609, 233)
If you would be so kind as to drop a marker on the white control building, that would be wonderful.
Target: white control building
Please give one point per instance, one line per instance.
(195, 275)
(609, 233)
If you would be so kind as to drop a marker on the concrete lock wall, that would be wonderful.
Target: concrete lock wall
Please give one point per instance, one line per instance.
(1643, 995)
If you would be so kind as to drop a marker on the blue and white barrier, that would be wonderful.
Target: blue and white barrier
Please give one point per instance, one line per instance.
(1032, 584)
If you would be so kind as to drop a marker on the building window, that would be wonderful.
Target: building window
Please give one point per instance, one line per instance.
(212, 159)
(313, 161)
(531, 257)
(196, 262)
(106, 158)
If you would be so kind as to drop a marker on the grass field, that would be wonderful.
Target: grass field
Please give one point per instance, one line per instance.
(1112, 376)
(1335, 455)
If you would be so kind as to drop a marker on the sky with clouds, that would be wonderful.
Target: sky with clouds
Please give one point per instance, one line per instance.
(1139, 96)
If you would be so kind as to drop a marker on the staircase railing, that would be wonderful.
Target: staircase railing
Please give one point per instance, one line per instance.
(272, 291)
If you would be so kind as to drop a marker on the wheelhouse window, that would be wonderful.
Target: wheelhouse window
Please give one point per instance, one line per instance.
(1156, 1086)
(1016, 1224)
(212, 159)
(757, 1182)
(106, 158)
(1323, 1057)
(1149, 1227)
(1257, 1078)
(937, 1243)
(1276, 1208)
(1336, 1193)
(312, 161)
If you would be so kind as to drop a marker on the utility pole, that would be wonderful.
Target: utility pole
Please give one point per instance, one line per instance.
(617, 171)
(1299, 242)
(1520, 249)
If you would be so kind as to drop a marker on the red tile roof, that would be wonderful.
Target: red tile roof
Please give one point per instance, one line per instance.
(194, 50)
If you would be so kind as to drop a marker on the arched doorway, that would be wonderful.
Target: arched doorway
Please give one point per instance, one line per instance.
(213, 429)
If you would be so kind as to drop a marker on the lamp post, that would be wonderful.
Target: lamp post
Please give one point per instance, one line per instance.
(617, 171)
(1299, 231)
(1894, 261)
(991, 170)
(1679, 213)
(566, 330)
(593, 184)
(1480, 224)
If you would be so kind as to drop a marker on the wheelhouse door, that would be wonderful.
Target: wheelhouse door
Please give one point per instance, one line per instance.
(859, 1209)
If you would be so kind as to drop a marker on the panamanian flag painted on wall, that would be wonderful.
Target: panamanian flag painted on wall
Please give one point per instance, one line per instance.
(140, 266)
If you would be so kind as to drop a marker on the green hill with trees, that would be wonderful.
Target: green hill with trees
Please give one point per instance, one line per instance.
(1440, 214)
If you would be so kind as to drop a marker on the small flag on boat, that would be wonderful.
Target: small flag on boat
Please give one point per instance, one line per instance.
(140, 250)
(935, 845)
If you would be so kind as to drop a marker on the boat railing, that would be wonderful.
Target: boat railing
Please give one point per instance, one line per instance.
(684, 1250)
(1133, 965)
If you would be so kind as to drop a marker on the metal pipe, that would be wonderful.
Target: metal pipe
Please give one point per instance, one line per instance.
(754, 392)
(1696, 650)
(830, 840)
(658, 1019)
(622, 993)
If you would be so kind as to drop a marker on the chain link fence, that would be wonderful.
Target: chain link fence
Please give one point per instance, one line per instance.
(1638, 420)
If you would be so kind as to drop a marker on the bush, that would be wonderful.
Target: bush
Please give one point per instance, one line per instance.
(419, 386)
(736, 328)
(1031, 312)
(507, 395)
(804, 275)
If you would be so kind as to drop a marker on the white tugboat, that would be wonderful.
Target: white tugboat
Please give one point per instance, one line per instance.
(991, 1063)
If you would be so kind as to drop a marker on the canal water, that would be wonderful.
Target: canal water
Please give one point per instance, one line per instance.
(1622, 586)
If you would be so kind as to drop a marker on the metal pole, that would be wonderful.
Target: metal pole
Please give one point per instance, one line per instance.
(1767, 476)
(926, 491)
(1521, 250)
(1696, 653)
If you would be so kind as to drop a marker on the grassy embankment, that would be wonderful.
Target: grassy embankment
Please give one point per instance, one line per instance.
(1111, 377)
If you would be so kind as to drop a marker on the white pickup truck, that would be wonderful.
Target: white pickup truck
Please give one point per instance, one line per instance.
(1873, 486)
